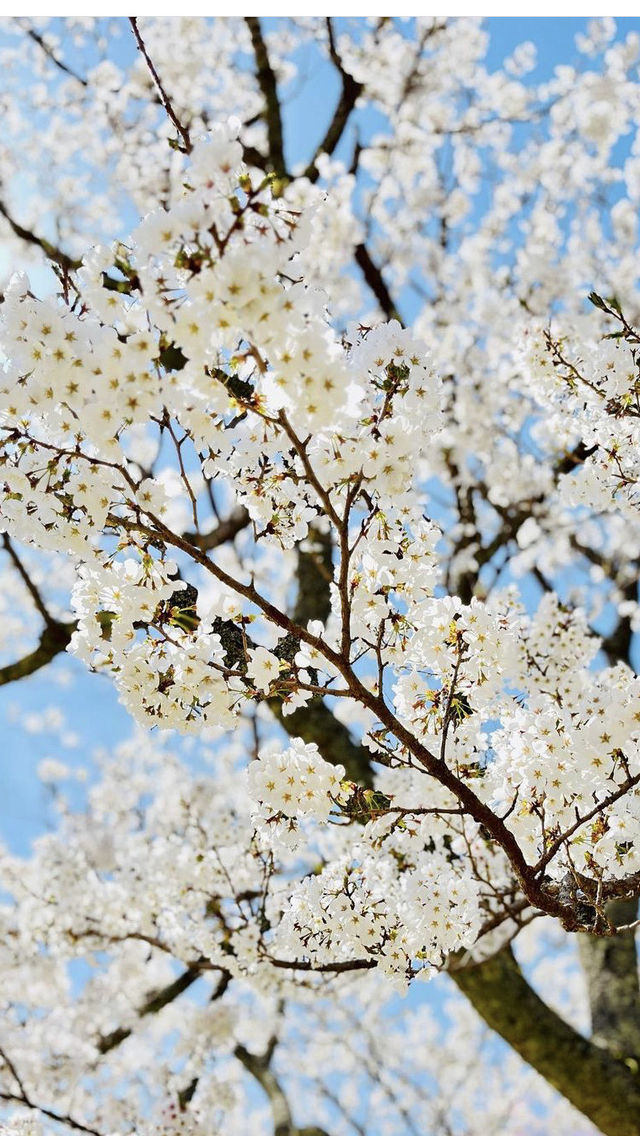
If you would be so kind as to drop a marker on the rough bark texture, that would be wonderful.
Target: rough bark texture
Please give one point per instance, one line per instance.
(315, 574)
(611, 971)
(602, 1088)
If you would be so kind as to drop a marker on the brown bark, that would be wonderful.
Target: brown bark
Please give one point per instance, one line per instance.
(611, 971)
(602, 1088)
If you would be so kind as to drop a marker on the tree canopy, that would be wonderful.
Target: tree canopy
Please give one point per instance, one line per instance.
(325, 452)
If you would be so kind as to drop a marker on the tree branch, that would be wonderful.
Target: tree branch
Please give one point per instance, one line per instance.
(22, 1097)
(374, 278)
(38, 601)
(50, 54)
(56, 636)
(351, 89)
(267, 83)
(315, 721)
(164, 98)
(611, 971)
(51, 251)
(260, 1069)
(325, 967)
(161, 998)
(226, 530)
(53, 641)
(600, 1087)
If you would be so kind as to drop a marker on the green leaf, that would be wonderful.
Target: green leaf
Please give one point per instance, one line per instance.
(597, 301)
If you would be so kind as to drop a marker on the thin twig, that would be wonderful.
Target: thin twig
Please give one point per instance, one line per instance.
(22, 1097)
(164, 98)
(50, 53)
(28, 582)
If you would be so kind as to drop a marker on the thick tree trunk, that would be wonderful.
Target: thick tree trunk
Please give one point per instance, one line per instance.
(611, 971)
(602, 1088)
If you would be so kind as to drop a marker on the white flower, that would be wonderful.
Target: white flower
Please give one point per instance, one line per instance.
(263, 668)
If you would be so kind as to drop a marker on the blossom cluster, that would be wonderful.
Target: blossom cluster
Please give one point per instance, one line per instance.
(214, 343)
(275, 507)
(591, 387)
(292, 785)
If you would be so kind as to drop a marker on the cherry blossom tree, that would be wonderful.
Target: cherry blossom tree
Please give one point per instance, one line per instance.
(330, 465)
